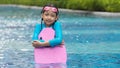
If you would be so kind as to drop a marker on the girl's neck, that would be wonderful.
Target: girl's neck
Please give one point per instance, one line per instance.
(48, 25)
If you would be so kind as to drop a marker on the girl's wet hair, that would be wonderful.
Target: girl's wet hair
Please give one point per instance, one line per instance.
(50, 5)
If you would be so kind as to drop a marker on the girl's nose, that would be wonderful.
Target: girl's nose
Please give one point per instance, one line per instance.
(49, 18)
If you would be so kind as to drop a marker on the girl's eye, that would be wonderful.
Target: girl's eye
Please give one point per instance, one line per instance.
(52, 15)
(46, 14)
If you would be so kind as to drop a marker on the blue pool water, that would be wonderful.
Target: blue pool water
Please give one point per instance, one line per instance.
(91, 41)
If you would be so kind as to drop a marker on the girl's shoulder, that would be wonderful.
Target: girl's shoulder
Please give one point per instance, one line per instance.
(57, 23)
(37, 24)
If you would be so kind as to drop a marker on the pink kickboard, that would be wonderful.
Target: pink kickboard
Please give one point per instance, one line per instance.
(47, 55)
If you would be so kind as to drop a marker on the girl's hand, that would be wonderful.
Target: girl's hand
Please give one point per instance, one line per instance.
(62, 43)
(36, 44)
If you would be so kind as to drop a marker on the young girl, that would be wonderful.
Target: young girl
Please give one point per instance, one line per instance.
(50, 51)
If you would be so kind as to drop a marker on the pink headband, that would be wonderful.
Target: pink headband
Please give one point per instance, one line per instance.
(53, 9)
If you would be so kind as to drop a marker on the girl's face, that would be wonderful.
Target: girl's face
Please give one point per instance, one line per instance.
(49, 17)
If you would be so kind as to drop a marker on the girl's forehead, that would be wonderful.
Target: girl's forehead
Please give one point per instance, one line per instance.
(49, 12)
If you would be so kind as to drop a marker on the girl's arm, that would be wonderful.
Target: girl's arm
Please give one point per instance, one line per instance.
(36, 32)
(36, 42)
(58, 35)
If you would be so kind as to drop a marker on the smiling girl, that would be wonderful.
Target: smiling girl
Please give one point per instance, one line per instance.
(49, 48)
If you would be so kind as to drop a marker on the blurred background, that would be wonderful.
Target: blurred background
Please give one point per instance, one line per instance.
(91, 5)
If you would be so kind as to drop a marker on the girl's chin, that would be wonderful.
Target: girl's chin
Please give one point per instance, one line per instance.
(48, 24)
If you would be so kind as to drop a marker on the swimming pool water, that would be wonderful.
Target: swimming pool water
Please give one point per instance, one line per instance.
(91, 41)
